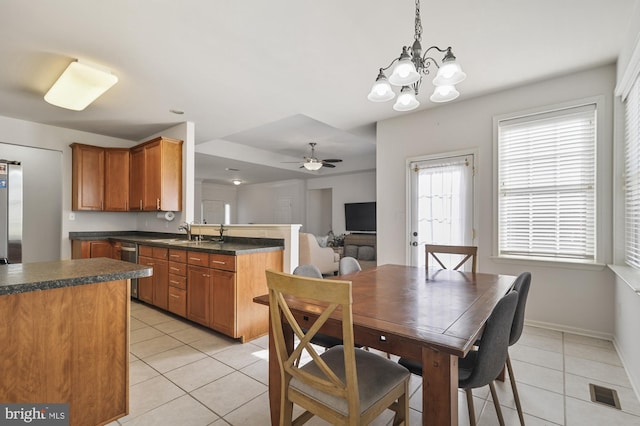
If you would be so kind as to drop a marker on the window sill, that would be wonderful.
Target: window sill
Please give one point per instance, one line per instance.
(564, 264)
(627, 274)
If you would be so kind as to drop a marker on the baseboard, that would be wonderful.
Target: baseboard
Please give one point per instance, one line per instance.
(573, 330)
(634, 385)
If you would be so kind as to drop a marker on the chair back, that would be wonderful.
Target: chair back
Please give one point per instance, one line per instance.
(492, 352)
(333, 297)
(348, 265)
(309, 271)
(521, 285)
(469, 252)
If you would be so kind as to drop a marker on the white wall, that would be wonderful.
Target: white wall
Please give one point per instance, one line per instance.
(257, 203)
(266, 202)
(211, 191)
(627, 301)
(576, 298)
(347, 188)
(319, 211)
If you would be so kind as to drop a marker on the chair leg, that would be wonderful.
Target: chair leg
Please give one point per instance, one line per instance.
(496, 403)
(402, 408)
(512, 379)
(471, 408)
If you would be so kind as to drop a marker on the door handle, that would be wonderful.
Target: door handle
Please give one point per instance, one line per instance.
(415, 244)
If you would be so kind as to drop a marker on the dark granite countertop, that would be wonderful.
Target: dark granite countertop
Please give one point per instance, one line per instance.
(231, 246)
(26, 277)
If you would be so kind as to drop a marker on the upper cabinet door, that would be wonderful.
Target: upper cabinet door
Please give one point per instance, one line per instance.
(87, 181)
(116, 177)
(136, 179)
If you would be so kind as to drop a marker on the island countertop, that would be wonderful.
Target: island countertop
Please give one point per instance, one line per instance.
(232, 246)
(27, 277)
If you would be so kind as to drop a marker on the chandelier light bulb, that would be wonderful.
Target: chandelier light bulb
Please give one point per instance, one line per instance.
(406, 100)
(444, 94)
(381, 90)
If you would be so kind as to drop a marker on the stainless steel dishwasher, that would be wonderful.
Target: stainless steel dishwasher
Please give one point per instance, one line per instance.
(130, 254)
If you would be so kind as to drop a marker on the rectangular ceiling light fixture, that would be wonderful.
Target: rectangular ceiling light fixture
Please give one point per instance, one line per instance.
(79, 85)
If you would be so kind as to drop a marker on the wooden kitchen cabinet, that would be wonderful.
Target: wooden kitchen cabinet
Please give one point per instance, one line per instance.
(145, 285)
(154, 289)
(199, 294)
(100, 178)
(86, 249)
(116, 179)
(156, 175)
(178, 282)
(136, 178)
(87, 177)
(223, 301)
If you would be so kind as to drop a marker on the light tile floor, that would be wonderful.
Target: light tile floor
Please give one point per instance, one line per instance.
(183, 374)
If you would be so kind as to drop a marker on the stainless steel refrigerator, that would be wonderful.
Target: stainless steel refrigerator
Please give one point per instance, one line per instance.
(10, 212)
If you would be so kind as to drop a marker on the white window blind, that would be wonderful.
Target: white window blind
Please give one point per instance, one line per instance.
(632, 176)
(546, 177)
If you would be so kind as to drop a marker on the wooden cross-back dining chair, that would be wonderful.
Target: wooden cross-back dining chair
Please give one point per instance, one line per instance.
(343, 385)
(469, 252)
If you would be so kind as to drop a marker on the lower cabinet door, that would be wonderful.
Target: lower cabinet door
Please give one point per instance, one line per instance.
(199, 294)
(145, 285)
(223, 299)
(178, 301)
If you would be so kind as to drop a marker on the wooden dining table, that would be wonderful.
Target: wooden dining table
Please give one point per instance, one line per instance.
(433, 317)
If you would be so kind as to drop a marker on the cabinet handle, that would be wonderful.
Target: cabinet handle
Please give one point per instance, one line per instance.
(140, 204)
(174, 282)
(174, 295)
(195, 258)
(158, 203)
(219, 262)
(206, 275)
(175, 269)
(174, 255)
(150, 264)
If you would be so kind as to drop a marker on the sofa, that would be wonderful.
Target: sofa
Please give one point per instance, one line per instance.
(363, 247)
(325, 258)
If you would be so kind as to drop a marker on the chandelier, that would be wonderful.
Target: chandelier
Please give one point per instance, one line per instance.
(408, 70)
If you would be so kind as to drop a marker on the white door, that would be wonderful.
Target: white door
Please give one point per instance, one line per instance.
(441, 203)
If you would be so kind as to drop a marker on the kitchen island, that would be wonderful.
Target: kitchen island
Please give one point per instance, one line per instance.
(210, 282)
(65, 336)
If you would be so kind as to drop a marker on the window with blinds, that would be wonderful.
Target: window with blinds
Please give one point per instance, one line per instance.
(546, 178)
(632, 176)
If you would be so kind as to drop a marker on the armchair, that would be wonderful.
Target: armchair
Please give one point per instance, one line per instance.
(324, 258)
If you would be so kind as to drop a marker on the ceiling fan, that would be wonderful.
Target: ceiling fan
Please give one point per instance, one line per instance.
(313, 163)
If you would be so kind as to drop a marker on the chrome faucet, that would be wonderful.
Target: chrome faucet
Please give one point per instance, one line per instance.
(187, 228)
(221, 230)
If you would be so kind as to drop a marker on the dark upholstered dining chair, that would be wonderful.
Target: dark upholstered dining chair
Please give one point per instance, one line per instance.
(469, 252)
(344, 385)
(348, 265)
(480, 368)
(521, 285)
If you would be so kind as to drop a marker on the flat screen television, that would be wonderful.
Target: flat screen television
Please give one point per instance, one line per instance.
(360, 217)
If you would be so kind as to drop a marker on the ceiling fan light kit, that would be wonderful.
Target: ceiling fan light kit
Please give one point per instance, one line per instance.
(409, 69)
(80, 84)
(312, 163)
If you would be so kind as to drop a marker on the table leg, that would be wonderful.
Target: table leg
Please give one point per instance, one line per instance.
(274, 371)
(439, 388)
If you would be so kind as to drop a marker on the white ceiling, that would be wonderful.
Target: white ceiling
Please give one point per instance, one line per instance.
(262, 79)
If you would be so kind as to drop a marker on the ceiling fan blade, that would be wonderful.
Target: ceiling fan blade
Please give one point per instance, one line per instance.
(331, 166)
(332, 160)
